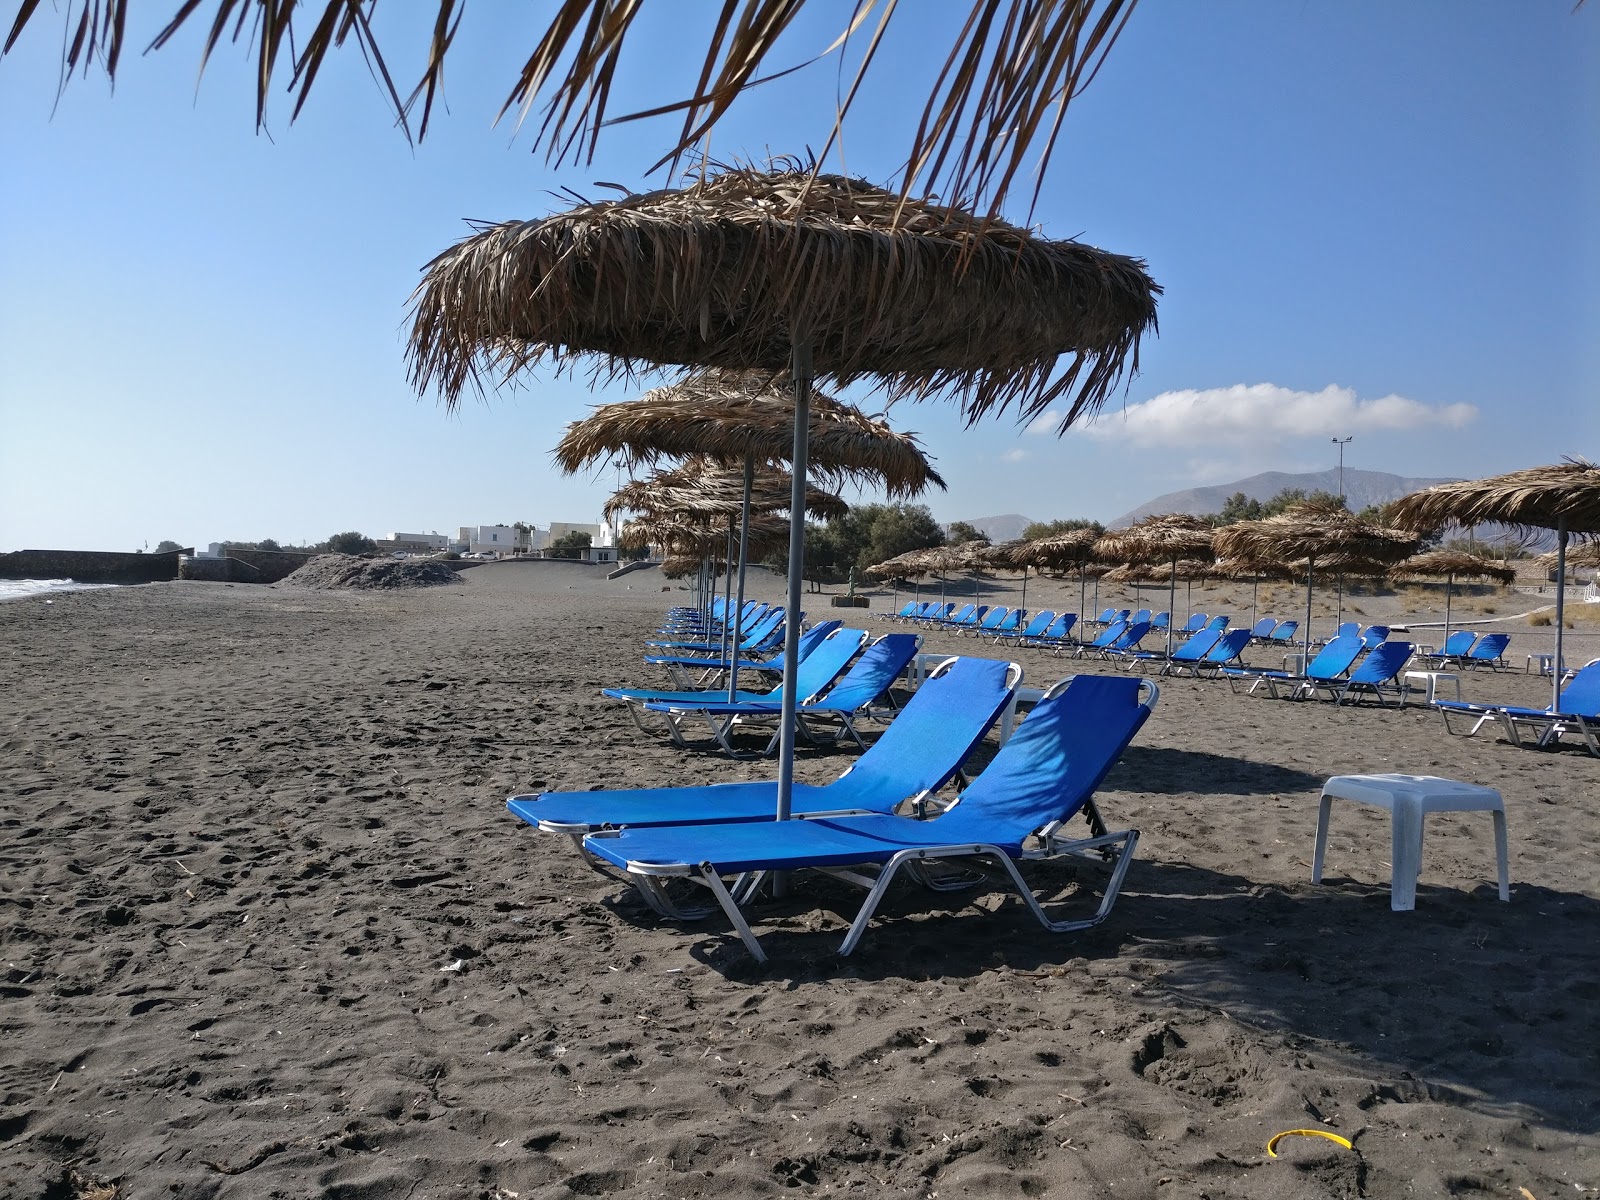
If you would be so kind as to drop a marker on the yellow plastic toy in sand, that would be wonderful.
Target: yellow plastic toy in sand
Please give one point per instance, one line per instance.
(1272, 1151)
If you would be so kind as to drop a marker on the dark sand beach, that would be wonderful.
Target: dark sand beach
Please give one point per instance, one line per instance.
(268, 931)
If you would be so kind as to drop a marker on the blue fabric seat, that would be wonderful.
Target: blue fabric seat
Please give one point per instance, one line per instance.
(920, 751)
(1194, 647)
(1037, 624)
(1332, 661)
(1375, 676)
(683, 666)
(1577, 712)
(868, 678)
(1044, 776)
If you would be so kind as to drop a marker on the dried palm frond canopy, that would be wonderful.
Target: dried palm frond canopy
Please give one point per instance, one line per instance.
(1312, 532)
(1452, 565)
(699, 490)
(993, 109)
(681, 566)
(902, 566)
(1070, 550)
(1563, 494)
(1319, 535)
(1158, 539)
(1587, 555)
(729, 415)
(677, 536)
(741, 267)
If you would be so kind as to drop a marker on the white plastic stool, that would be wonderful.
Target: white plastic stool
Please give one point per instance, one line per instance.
(1410, 798)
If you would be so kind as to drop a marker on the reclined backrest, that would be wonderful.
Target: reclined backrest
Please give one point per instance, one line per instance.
(1197, 644)
(816, 635)
(964, 613)
(1229, 645)
(1458, 643)
(1490, 646)
(1161, 620)
(1196, 622)
(1375, 635)
(993, 618)
(1335, 658)
(1348, 629)
(823, 665)
(1581, 696)
(1142, 614)
(1053, 763)
(1106, 617)
(1286, 631)
(1131, 636)
(872, 674)
(1217, 623)
(1040, 622)
(944, 719)
(1383, 663)
(1110, 634)
(1264, 627)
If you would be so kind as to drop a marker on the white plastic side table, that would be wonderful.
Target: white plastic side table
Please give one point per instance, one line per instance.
(1409, 798)
(1432, 679)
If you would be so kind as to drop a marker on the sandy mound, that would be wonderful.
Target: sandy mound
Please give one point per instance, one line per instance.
(349, 571)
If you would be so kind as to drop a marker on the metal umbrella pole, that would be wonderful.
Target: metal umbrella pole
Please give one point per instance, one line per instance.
(1561, 611)
(744, 553)
(797, 548)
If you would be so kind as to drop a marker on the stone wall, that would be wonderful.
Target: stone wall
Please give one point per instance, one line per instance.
(90, 566)
(265, 566)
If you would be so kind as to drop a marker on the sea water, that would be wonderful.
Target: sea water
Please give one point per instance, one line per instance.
(21, 589)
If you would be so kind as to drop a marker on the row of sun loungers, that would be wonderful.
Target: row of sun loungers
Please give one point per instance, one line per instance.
(885, 816)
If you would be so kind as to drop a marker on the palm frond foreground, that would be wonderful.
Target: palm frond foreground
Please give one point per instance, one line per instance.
(996, 97)
(1566, 493)
(734, 270)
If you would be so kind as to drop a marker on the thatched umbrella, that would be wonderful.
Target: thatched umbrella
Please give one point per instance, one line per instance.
(788, 270)
(710, 493)
(1310, 533)
(742, 419)
(901, 566)
(1072, 550)
(1448, 565)
(678, 535)
(734, 416)
(1586, 555)
(1564, 496)
(1165, 538)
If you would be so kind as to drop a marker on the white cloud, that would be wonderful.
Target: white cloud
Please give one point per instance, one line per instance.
(1264, 413)
(1045, 424)
(1014, 456)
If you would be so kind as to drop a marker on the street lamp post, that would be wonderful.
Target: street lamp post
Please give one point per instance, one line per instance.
(1341, 443)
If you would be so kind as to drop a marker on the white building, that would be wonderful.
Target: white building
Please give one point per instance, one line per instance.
(485, 539)
(420, 543)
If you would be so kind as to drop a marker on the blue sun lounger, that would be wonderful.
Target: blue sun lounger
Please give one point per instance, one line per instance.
(1375, 676)
(680, 666)
(1106, 637)
(1042, 778)
(868, 678)
(814, 673)
(1488, 651)
(1332, 661)
(1578, 712)
(1131, 636)
(763, 635)
(994, 621)
(1194, 647)
(1454, 648)
(921, 750)
(1226, 653)
(1037, 624)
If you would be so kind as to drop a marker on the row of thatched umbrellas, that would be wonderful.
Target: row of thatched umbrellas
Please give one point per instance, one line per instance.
(1169, 548)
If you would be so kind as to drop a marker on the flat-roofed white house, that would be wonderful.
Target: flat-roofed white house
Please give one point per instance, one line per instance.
(485, 539)
(416, 543)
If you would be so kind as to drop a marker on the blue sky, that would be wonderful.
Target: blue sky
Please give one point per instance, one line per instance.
(1370, 219)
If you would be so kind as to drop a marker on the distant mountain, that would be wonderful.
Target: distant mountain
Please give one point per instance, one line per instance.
(1361, 488)
(1005, 528)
